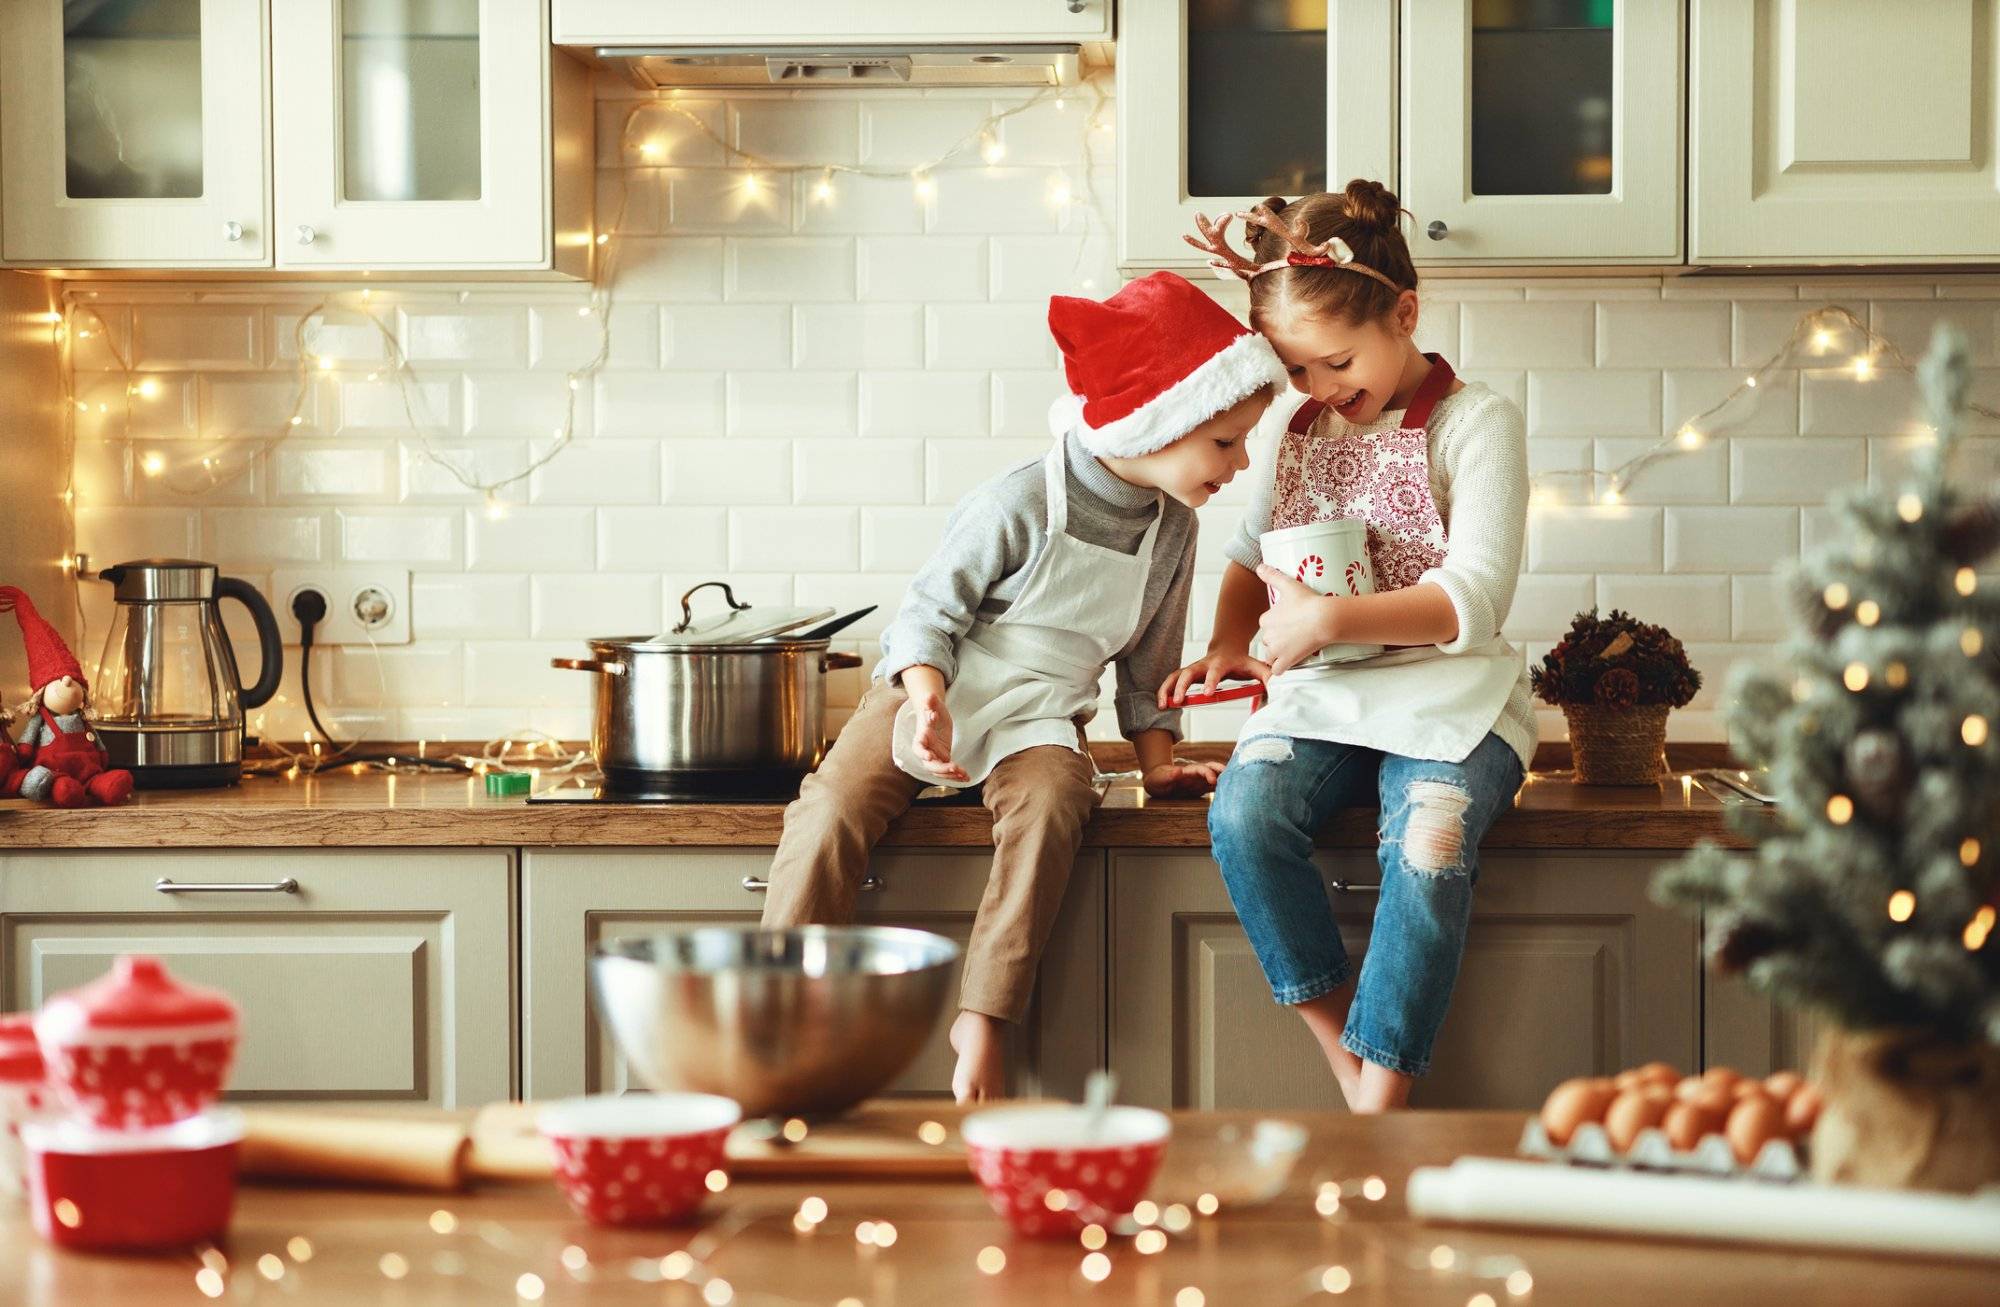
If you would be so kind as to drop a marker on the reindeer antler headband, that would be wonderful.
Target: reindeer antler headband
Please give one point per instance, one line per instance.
(1331, 253)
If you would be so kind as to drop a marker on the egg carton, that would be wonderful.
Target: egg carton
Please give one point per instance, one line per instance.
(1779, 1160)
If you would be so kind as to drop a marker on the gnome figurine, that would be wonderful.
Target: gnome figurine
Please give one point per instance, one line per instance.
(60, 757)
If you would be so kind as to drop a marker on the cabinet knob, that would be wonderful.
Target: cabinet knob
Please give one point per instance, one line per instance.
(1076, 6)
(306, 234)
(758, 885)
(1437, 231)
(232, 231)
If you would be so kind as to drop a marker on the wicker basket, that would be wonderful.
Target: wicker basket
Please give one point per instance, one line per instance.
(1617, 746)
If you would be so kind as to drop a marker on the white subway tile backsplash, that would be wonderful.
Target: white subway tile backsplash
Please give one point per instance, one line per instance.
(1001, 199)
(1692, 607)
(868, 471)
(789, 269)
(733, 202)
(365, 677)
(322, 471)
(562, 339)
(792, 403)
(455, 605)
(598, 471)
(1802, 470)
(1910, 325)
(903, 132)
(645, 135)
(716, 337)
(1839, 403)
(931, 404)
(586, 604)
(233, 404)
(383, 406)
(1036, 267)
(457, 333)
(1758, 608)
(1694, 476)
(1510, 334)
(1021, 401)
(1742, 539)
(522, 404)
(1544, 604)
(1593, 403)
(211, 338)
(1438, 327)
(953, 467)
(669, 269)
(433, 472)
(858, 336)
(348, 335)
(530, 540)
(931, 271)
(166, 409)
(635, 405)
(794, 539)
(825, 205)
(236, 537)
(798, 131)
(898, 540)
(662, 539)
(410, 538)
(1594, 538)
(846, 591)
(515, 673)
(988, 336)
(1770, 409)
(114, 535)
(727, 471)
(1684, 335)
(1762, 329)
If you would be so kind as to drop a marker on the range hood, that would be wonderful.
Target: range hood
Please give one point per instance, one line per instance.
(870, 66)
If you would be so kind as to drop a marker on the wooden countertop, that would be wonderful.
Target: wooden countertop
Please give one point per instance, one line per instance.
(1239, 1258)
(340, 809)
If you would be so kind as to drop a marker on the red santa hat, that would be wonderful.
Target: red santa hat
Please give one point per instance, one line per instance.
(49, 659)
(1151, 364)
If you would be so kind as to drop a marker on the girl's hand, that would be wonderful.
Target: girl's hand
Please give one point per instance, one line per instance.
(932, 739)
(1205, 673)
(1299, 622)
(1181, 780)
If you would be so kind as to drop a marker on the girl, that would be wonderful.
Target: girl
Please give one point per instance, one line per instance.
(1439, 726)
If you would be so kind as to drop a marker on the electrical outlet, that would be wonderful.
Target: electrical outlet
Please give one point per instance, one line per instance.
(363, 604)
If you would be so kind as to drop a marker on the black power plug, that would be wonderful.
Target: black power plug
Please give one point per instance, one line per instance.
(309, 607)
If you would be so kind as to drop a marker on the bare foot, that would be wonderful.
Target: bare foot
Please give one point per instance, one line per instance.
(980, 1042)
(1326, 1017)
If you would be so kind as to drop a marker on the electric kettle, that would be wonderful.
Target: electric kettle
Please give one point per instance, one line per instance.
(167, 700)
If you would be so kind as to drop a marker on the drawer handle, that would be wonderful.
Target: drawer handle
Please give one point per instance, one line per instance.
(288, 885)
(1349, 887)
(758, 885)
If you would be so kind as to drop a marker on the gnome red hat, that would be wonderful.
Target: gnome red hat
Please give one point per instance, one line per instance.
(49, 659)
(1151, 364)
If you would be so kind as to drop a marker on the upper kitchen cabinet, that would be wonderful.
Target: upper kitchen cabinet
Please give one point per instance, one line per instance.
(1845, 132)
(1542, 131)
(822, 22)
(1225, 102)
(133, 133)
(418, 135)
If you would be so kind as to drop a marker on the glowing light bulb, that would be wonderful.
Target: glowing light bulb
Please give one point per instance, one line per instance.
(1979, 928)
(1840, 810)
(152, 465)
(1822, 341)
(495, 509)
(604, 238)
(926, 188)
(1968, 851)
(1868, 612)
(1691, 438)
(297, 420)
(147, 389)
(823, 188)
(1751, 382)
(651, 150)
(991, 150)
(1864, 368)
(1965, 581)
(1612, 495)
(1902, 905)
(1909, 507)
(753, 185)
(1970, 642)
(1973, 730)
(1836, 595)
(1059, 192)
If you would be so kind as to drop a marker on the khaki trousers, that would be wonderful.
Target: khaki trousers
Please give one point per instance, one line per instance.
(1040, 799)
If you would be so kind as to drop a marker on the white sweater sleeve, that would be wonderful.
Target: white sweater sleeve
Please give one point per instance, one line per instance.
(1485, 454)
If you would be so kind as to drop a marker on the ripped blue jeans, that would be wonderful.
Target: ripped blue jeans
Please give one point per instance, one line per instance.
(1276, 793)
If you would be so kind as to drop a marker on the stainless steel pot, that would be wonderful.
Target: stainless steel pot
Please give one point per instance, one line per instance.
(711, 718)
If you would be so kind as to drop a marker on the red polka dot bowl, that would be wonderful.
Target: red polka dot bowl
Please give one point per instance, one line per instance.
(166, 1187)
(639, 1159)
(1049, 1170)
(137, 1049)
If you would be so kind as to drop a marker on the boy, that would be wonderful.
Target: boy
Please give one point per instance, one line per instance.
(1046, 574)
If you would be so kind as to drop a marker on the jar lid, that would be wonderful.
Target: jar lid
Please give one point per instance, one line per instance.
(20, 1056)
(136, 998)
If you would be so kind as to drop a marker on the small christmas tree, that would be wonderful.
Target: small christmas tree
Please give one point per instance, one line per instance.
(1873, 899)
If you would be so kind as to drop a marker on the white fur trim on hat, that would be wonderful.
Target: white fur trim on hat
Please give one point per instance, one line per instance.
(1240, 369)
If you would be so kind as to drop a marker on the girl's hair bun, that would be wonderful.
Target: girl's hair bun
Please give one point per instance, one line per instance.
(1369, 203)
(1276, 204)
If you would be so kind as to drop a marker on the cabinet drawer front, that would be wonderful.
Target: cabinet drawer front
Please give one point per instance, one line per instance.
(657, 22)
(382, 978)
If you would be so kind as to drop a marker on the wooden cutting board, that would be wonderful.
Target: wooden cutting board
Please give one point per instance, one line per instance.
(881, 1139)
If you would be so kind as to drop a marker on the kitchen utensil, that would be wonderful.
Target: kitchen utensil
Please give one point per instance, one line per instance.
(727, 718)
(135, 1048)
(166, 698)
(826, 630)
(1048, 1174)
(158, 1188)
(638, 1159)
(802, 1022)
(1223, 694)
(1331, 558)
(1242, 1163)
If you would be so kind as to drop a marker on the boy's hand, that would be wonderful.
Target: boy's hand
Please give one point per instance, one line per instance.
(1205, 673)
(1181, 780)
(932, 739)
(1299, 622)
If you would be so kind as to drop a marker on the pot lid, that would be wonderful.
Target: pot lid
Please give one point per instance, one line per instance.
(735, 623)
(138, 996)
(20, 1055)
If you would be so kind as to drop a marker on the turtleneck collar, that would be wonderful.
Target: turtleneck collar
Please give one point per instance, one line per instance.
(1102, 483)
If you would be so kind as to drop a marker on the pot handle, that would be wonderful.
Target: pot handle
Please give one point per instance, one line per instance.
(687, 609)
(588, 665)
(833, 662)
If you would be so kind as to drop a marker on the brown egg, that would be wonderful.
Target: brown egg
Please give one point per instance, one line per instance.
(1636, 1109)
(1781, 1085)
(1627, 1080)
(1685, 1124)
(1688, 1089)
(1745, 1087)
(1802, 1110)
(1573, 1102)
(1660, 1073)
(1708, 1095)
(1722, 1075)
(1751, 1123)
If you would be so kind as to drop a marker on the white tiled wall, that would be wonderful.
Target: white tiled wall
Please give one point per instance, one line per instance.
(797, 391)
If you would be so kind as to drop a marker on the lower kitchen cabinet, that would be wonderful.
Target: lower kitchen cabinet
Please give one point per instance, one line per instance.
(575, 899)
(1569, 970)
(382, 977)
(1743, 1029)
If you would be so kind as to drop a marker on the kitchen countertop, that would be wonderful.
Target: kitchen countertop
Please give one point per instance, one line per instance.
(340, 809)
(1271, 1254)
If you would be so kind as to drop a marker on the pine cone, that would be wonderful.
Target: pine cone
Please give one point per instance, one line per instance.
(1617, 688)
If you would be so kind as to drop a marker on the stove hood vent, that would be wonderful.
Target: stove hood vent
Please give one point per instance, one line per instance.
(873, 67)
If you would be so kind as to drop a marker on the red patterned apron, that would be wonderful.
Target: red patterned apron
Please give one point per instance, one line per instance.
(1415, 701)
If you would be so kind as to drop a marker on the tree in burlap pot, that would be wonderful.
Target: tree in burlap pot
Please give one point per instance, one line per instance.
(1874, 898)
(1616, 678)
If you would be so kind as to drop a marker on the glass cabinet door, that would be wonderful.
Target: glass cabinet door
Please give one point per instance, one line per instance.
(1224, 102)
(133, 132)
(411, 132)
(1546, 130)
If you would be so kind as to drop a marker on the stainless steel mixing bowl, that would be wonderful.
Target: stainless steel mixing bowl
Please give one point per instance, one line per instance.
(795, 1022)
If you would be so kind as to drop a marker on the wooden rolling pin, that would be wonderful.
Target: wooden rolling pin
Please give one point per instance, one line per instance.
(450, 1150)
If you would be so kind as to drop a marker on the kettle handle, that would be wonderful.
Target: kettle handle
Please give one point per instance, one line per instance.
(270, 644)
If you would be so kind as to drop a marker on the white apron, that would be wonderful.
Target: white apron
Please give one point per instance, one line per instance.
(1417, 702)
(1030, 676)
